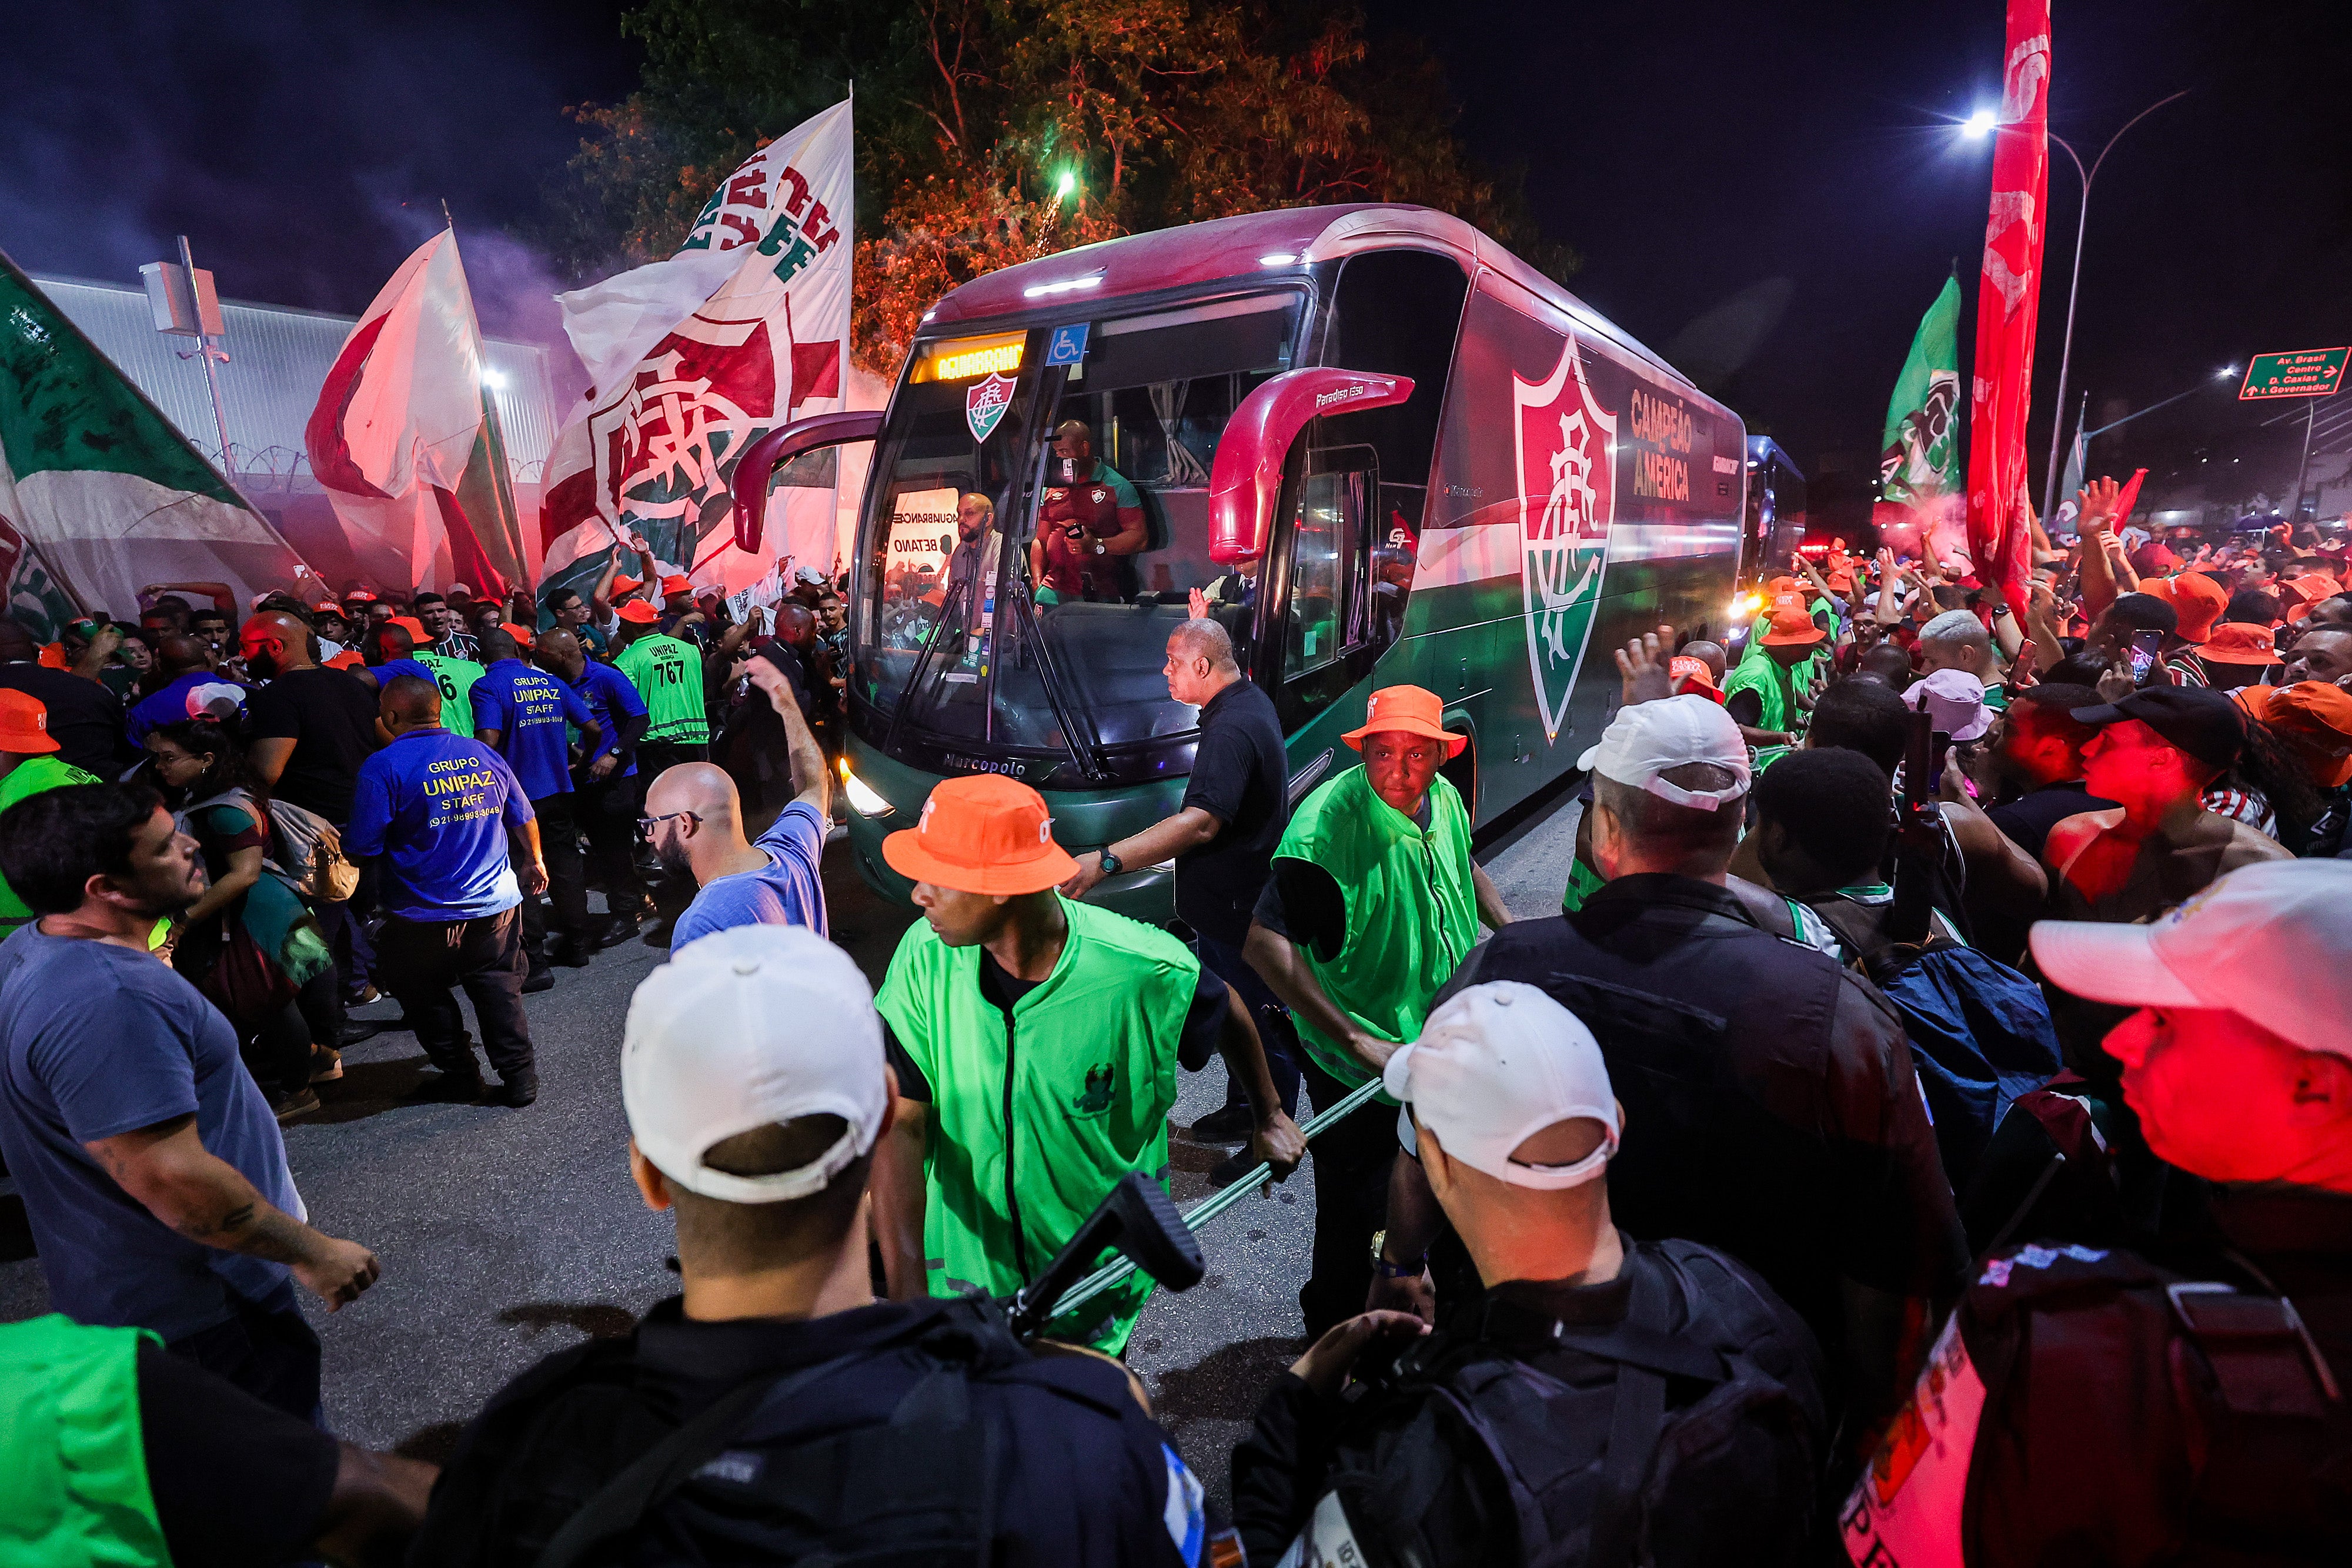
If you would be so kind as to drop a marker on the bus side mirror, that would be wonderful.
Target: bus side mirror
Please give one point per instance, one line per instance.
(758, 466)
(1246, 477)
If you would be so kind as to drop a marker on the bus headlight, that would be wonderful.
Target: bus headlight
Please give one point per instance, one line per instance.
(862, 797)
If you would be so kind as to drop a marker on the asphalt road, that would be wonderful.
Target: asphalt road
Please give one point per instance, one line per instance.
(506, 1235)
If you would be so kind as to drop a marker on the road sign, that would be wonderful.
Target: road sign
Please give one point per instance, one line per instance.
(2305, 373)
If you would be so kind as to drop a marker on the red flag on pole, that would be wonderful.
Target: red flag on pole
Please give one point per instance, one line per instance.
(2008, 302)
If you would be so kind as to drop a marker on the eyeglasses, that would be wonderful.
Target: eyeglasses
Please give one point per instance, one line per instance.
(646, 825)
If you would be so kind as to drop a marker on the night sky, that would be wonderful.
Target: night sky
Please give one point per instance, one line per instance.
(1793, 186)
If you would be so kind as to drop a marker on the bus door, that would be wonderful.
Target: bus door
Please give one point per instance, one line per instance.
(1326, 627)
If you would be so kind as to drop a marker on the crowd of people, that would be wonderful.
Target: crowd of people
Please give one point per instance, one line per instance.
(1923, 1135)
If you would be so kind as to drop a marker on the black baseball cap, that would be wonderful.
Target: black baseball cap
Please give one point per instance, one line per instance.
(2206, 725)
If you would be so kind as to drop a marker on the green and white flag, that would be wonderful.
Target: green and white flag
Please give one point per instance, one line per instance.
(98, 494)
(1920, 453)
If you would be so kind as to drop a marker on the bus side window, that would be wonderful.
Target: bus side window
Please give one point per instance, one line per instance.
(1327, 607)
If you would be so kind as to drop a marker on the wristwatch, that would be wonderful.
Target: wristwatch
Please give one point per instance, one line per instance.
(1111, 863)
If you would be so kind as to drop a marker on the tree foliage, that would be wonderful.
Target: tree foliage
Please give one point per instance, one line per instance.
(973, 116)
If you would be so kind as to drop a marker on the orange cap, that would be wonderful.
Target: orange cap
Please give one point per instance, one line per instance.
(412, 625)
(2314, 719)
(24, 724)
(1791, 627)
(637, 612)
(2240, 643)
(676, 585)
(1688, 667)
(626, 585)
(984, 833)
(2157, 588)
(349, 659)
(53, 657)
(523, 635)
(1408, 710)
(2199, 602)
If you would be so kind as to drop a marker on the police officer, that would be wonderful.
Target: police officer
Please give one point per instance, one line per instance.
(2089, 1404)
(804, 1420)
(441, 810)
(520, 713)
(1035, 1043)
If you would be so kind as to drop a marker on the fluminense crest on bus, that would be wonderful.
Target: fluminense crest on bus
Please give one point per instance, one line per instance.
(1567, 501)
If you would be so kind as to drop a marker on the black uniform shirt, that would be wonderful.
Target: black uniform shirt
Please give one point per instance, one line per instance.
(1241, 776)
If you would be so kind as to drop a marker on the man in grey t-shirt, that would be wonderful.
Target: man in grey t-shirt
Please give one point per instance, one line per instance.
(153, 1176)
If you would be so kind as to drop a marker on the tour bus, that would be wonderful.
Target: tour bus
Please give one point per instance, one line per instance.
(1393, 451)
(1776, 511)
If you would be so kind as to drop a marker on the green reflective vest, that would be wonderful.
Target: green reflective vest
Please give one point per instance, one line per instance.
(33, 776)
(668, 674)
(456, 678)
(1774, 684)
(73, 1468)
(1412, 913)
(1036, 1116)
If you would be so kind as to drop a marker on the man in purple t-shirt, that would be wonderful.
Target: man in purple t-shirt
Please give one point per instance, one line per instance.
(694, 820)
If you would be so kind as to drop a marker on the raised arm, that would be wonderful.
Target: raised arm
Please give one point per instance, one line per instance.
(814, 784)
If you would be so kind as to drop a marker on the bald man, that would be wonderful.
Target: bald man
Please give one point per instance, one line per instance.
(604, 793)
(457, 849)
(308, 731)
(694, 818)
(186, 662)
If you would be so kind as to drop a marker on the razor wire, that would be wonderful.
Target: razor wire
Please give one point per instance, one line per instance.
(1209, 1207)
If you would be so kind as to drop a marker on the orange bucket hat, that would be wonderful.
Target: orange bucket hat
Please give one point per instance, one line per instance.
(2240, 643)
(413, 626)
(2199, 602)
(1790, 626)
(982, 833)
(2313, 718)
(637, 612)
(1408, 709)
(24, 724)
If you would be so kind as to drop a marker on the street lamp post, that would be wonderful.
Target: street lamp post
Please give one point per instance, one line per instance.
(2067, 348)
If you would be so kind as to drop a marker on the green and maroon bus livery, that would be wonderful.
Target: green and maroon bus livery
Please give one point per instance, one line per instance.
(1396, 452)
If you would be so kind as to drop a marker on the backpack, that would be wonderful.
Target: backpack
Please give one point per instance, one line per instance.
(1704, 1448)
(916, 1489)
(305, 848)
(1980, 1032)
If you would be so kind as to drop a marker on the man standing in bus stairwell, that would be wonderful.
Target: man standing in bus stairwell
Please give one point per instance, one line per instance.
(1090, 515)
(1221, 839)
(1372, 904)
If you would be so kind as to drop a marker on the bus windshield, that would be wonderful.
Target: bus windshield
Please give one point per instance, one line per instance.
(1034, 532)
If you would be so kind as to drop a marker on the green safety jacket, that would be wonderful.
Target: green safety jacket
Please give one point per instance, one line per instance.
(1412, 912)
(73, 1467)
(668, 674)
(1036, 1117)
(456, 678)
(1774, 684)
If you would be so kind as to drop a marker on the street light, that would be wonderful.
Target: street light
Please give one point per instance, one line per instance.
(2082, 226)
(1977, 126)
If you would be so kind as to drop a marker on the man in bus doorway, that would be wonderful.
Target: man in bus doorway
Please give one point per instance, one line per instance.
(1373, 903)
(1090, 518)
(1035, 1043)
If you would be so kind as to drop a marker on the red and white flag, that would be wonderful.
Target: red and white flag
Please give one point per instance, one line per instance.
(404, 438)
(696, 357)
(2008, 305)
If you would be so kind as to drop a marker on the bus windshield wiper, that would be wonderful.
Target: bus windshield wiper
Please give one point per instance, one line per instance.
(1089, 760)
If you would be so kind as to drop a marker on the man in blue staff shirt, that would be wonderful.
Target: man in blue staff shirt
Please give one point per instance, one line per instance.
(520, 713)
(605, 793)
(440, 809)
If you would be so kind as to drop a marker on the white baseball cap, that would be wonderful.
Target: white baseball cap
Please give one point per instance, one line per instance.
(2271, 942)
(1649, 739)
(1956, 702)
(749, 1026)
(1498, 1064)
(808, 574)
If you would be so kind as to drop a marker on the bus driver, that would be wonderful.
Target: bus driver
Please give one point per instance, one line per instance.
(1090, 515)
